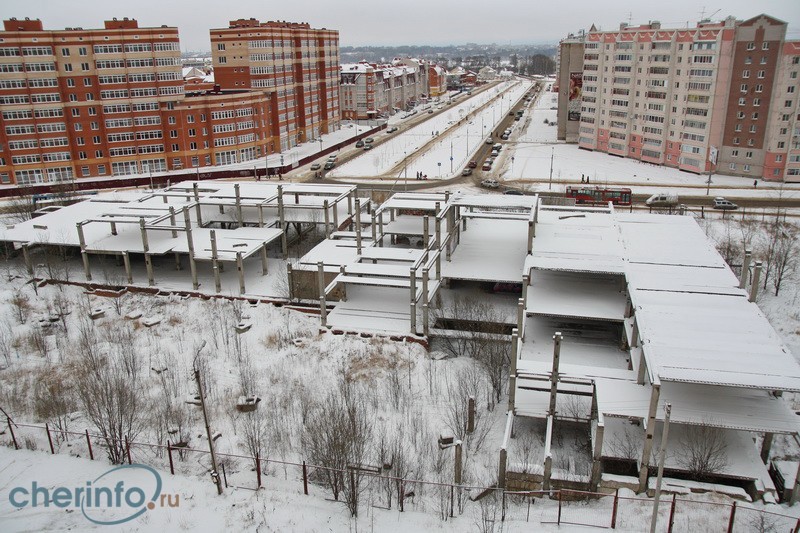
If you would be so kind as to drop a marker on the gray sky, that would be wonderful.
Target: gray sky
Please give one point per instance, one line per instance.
(410, 22)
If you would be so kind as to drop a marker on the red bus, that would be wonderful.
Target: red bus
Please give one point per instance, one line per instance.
(599, 195)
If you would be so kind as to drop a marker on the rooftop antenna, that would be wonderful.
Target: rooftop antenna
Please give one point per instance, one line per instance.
(630, 17)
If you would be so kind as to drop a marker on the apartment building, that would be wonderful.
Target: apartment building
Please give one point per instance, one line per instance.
(369, 90)
(703, 99)
(295, 65)
(80, 103)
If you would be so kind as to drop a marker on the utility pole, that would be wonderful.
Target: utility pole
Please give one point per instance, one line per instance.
(552, 153)
(214, 471)
(661, 459)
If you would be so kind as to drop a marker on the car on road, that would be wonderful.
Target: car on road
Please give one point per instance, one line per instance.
(367, 147)
(359, 144)
(466, 172)
(487, 166)
(430, 111)
(489, 141)
(329, 165)
(316, 166)
(332, 157)
(724, 204)
(369, 140)
(392, 129)
(473, 164)
(511, 113)
(504, 136)
(513, 192)
(490, 184)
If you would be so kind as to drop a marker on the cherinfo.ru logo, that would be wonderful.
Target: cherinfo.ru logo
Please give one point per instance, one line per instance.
(119, 495)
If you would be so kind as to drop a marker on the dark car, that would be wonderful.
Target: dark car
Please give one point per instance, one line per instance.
(329, 165)
(473, 164)
(514, 192)
(359, 144)
(367, 147)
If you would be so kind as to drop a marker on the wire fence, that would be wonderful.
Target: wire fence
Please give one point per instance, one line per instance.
(491, 506)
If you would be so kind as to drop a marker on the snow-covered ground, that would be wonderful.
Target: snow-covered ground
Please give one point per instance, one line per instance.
(535, 144)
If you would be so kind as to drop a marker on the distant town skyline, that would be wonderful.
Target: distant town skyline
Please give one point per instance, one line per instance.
(416, 23)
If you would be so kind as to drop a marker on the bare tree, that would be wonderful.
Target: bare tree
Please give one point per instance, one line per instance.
(785, 255)
(702, 451)
(255, 434)
(338, 437)
(110, 394)
(468, 383)
(54, 398)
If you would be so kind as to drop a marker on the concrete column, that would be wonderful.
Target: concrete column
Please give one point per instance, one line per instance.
(457, 465)
(84, 255)
(756, 280)
(766, 446)
(426, 236)
(113, 228)
(215, 262)
(172, 222)
(557, 338)
(187, 222)
(198, 210)
(413, 298)
(327, 219)
(425, 325)
(796, 489)
(126, 259)
(512, 371)
(748, 255)
(27, 258)
(290, 279)
(335, 216)
(597, 455)
(260, 215)
(642, 369)
(438, 222)
(374, 229)
(357, 219)
(501, 471)
(148, 261)
(380, 223)
(323, 311)
(648, 440)
(343, 272)
(177, 260)
(520, 316)
(239, 216)
(240, 269)
(264, 269)
(530, 237)
(350, 202)
(281, 221)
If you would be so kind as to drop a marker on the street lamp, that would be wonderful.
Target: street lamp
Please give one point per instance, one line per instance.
(405, 165)
(512, 166)
(440, 169)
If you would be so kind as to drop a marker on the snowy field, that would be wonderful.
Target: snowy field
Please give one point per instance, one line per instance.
(392, 153)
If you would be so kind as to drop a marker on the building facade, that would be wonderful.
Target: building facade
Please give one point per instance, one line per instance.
(296, 65)
(714, 98)
(369, 91)
(104, 102)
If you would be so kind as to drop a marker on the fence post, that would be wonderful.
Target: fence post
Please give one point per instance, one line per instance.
(352, 481)
(258, 470)
(305, 479)
(733, 517)
(11, 429)
(171, 464)
(503, 515)
(614, 510)
(559, 508)
(224, 475)
(89, 444)
(128, 449)
(49, 439)
(402, 494)
(451, 500)
(671, 514)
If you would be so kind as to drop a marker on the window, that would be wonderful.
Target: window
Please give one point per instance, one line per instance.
(82, 51)
(70, 82)
(68, 67)
(745, 73)
(65, 52)
(220, 46)
(756, 102)
(735, 153)
(743, 88)
(755, 116)
(760, 73)
(751, 46)
(223, 59)
(790, 89)
(748, 154)
(765, 46)
(759, 88)
(742, 101)
(737, 128)
(75, 111)
(778, 158)
(747, 168)
(787, 103)
(96, 139)
(87, 82)
(752, 128)
(98, 154)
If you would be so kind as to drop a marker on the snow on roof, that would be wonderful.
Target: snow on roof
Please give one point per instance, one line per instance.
(490, 250)
(583, 242)
(497, 201)
(373, 309)
(568, 294)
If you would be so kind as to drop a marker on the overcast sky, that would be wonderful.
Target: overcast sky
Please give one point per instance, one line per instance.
(398, 22)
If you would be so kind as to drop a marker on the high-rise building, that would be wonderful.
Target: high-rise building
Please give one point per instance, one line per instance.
(296, 65)
(717, 98)
(83, 103)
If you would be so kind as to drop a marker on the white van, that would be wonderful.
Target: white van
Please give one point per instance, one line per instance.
(662, 200)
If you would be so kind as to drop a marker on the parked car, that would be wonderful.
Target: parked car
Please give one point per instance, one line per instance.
(332, 157)
(495, 152)
(486, 166)
(513, 192)
(316, 166)
(329, 165)
(392, 129)
(490, 184)
(489, 141)
(504, 136)
(725, 205)
(511, 113)
(368, 140)
(430, 111)
(473, 164)
(359, 144)
(466, 172)
(367, 147)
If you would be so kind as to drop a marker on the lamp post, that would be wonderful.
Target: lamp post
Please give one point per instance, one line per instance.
(712, 159)
(451, 156)
(512, 165)
(440, 169)
(552, 153)
(405, 165)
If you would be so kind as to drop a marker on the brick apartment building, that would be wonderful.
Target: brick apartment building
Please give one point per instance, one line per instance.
(369, 90)
(294, 65)
(720, 97)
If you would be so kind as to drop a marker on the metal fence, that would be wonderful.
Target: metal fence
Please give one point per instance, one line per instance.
(516, 510)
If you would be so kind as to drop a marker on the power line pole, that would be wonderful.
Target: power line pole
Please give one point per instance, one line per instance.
(552, 153)
(214, 471)
(661, 459)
